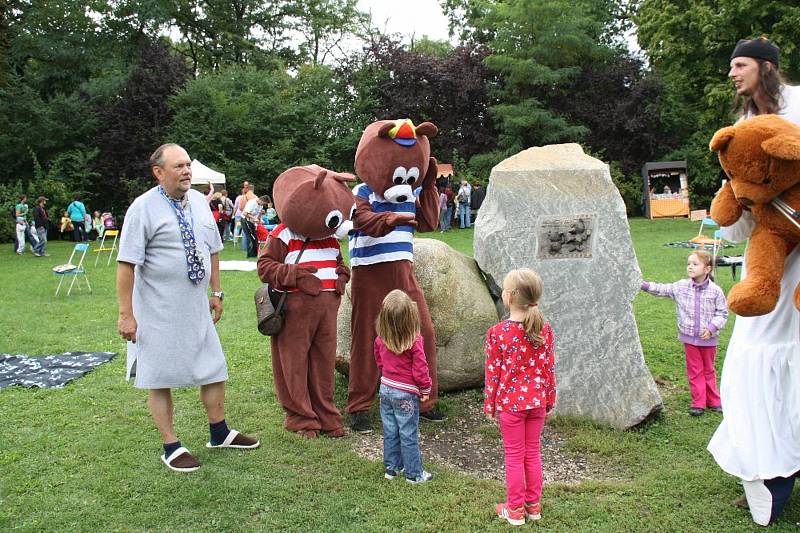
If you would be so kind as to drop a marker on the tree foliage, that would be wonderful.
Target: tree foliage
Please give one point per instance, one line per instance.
(689, 43)
(620, 104)
(255, 124)
(448, 87)
(252, 87)
(132, 123)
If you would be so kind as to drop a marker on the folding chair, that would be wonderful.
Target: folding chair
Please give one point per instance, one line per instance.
(727, 261)
(717, 237)
(700, 240)
(107, 233)
(707, 221)
(70, 269)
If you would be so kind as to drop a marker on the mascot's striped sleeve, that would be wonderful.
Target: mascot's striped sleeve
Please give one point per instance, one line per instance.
(397, 245)
(321, 253)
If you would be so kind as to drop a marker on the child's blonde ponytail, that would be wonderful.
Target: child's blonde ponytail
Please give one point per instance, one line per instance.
(533, 324)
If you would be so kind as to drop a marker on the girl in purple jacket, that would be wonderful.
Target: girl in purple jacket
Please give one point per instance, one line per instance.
(405, 380)
(702, 311)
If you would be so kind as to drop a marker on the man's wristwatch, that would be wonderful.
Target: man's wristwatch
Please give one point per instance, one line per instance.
(218, 294)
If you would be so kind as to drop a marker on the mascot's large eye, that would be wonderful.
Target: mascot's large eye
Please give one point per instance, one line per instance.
(334, 219)
(413, 175)
(399, 176)
(353, 212)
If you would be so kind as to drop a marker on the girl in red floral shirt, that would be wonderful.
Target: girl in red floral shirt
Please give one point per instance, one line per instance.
(520, 389)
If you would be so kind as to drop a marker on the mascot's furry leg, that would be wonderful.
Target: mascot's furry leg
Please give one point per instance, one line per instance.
(303, 357)
(322, 363)
(370, 284)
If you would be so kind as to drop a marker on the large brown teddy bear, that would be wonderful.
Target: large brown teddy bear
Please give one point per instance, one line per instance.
(397, 196)
(761, 156)
(314, 205)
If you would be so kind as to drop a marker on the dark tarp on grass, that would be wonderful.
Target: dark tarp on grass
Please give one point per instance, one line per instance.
(47, 371)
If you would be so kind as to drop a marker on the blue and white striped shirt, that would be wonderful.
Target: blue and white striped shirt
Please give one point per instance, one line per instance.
(397, 245)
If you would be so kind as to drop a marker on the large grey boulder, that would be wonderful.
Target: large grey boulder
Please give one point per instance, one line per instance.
(555, 210)
(461, 309)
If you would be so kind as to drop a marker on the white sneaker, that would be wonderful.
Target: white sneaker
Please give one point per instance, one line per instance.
(423, 478)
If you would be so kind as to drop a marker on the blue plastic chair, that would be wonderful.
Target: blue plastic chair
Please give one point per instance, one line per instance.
(70, 269)
(717, 246)
(708, 221)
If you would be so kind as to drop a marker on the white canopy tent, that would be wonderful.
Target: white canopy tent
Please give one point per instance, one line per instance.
(201, 174)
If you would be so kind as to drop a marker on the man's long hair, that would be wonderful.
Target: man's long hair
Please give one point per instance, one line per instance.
(770, 81)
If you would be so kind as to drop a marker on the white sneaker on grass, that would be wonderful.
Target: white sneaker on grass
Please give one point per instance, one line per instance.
(423, 478)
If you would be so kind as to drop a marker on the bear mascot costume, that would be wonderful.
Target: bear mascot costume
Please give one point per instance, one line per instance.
(315, 206)
(397, 196)
(758, 440)
(761, 156)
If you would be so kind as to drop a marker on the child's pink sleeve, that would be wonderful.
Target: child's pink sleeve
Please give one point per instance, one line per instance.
(419, 367)
(376, 350)
(491, 373)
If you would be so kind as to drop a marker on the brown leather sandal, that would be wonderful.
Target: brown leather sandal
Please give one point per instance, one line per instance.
(181, 461)
(236, 440)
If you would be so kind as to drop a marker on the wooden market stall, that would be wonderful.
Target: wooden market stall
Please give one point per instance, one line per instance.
(665, 189)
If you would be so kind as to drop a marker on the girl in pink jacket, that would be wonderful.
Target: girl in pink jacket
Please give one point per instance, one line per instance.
(405, 381)
(702, 312)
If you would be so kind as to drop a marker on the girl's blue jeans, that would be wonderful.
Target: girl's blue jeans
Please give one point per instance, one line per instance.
(400, 417)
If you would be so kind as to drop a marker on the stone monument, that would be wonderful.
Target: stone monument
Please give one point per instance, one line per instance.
(461, 309)
(555, 210)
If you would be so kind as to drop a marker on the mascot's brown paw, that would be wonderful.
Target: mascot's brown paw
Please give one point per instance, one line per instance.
(754, 298)
(395, 220)
(309, 283)
(726, 217)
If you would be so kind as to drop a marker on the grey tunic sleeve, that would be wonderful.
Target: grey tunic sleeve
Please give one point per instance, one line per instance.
(133, 240)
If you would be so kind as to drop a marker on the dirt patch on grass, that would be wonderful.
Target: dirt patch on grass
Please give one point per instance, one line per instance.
(469, 443)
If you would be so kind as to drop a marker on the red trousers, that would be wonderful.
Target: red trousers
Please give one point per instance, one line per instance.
(522, 434)
(303, 359)
(369, 285)
(702, 375)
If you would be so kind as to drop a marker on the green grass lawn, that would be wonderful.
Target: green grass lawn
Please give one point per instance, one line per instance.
(85, 457)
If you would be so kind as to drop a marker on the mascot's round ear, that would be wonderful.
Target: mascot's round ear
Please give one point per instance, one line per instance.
(427, 129)
(783, 147)
(721, 139)
(383, 131)
(320, 176)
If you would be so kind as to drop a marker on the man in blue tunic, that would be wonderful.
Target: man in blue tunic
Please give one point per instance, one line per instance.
(169, 242)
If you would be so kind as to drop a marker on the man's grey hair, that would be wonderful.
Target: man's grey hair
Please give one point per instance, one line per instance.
(157, 159)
